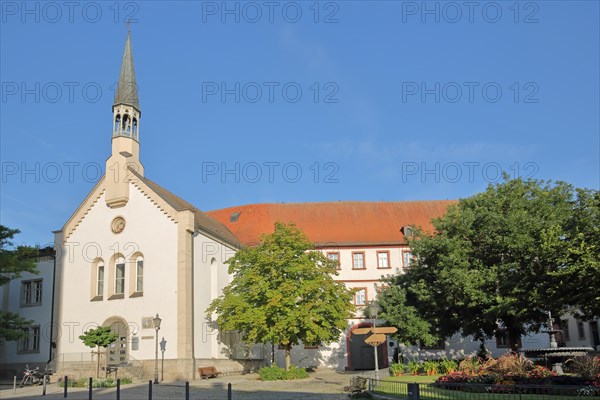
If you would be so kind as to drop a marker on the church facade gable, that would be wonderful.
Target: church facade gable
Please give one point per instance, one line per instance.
(120, 266)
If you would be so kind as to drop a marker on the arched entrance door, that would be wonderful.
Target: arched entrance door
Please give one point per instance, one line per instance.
(360, 354)
(118, 352)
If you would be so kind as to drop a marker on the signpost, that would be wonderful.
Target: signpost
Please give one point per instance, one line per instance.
(377, 337)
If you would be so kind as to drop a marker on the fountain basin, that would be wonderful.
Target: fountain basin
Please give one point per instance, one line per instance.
(557, 355)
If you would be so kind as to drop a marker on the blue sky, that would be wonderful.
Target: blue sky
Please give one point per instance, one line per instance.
(367, 100)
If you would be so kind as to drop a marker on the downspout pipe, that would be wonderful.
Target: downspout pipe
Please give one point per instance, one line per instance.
(52, 253)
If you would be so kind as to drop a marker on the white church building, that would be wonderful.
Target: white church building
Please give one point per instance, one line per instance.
(133, 250)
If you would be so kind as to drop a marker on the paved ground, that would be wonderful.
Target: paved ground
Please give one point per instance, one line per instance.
(323, 384)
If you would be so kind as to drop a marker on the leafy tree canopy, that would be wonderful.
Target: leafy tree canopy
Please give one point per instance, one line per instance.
(11, 326)
(14, 261)
(99, 337)
(283, 292)
(501, 259)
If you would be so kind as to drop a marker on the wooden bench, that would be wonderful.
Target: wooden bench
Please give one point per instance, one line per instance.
(358, 385)
(208, 372)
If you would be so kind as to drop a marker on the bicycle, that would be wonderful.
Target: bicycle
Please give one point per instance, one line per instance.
(34, 376)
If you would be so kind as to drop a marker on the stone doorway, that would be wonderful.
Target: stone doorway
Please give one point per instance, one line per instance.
(118, 352)
(360, 354)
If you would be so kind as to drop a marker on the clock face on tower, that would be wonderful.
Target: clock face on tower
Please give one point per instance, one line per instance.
(118, 224)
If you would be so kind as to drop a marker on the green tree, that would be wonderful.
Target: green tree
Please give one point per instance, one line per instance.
(395, 311)
(14, 261)
(578, 252)
(283, 292)
(501, 259)
(99, 337)
(12, 325)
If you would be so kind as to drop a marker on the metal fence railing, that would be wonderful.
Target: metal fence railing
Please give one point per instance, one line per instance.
(397, 389)
(468, 391)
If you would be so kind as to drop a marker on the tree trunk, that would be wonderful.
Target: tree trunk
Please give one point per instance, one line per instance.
(288, 359)
(272, 354)
(514, 339)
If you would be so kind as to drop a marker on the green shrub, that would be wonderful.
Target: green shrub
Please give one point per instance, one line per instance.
(414, 367)
(447, 366)
(396, 369)
(431, 367)
(278, 374)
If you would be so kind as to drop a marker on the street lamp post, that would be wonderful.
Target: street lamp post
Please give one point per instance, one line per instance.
(373, 310)
(156, 321)
(163, 347)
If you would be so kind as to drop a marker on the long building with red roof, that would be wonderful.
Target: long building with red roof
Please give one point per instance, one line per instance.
(366, 238)
(343, 223)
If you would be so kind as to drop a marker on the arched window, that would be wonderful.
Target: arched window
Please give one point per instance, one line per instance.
(117, 126)
(136, 275)
(126, 126)
(98, 277)
(139, 274)
(135, 128)
(120, 275)
(214, 278)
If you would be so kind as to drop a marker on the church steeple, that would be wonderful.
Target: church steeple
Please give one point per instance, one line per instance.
(126, 107)
(127, 90)
(126, 135)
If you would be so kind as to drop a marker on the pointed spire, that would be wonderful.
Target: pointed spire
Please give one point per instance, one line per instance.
(127, 90)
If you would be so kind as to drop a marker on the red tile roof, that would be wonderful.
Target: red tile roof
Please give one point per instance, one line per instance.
(337, 223)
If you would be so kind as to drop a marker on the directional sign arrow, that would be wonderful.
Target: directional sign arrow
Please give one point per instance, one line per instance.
(362, 331)
(375, 339)
(384, 329)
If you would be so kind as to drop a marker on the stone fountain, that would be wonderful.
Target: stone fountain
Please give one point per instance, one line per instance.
(556, 355)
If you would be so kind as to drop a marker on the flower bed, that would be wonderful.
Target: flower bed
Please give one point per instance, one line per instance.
(511, 370)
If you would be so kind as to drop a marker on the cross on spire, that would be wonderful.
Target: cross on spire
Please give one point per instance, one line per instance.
(128, 25)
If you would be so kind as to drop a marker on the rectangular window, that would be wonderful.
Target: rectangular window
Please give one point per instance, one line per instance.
(100, 281)
(31, 293)
(139, 283)
(120, 279)
(502, 339)
(407, 259)
(383, 259)
(564, 327)
(30, 343)
(580, 330)
(37, 292)
(358, 260)
(439, 345)
(360, 297)
(335, 256)
(310, 347)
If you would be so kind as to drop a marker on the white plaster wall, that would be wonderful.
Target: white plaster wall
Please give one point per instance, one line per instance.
(39, 314)
(149, 231)
(329, 356)
(371, 271)
(371, 275)
(209, 281)
(333, 355)
(574, 339)
(458, 347)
